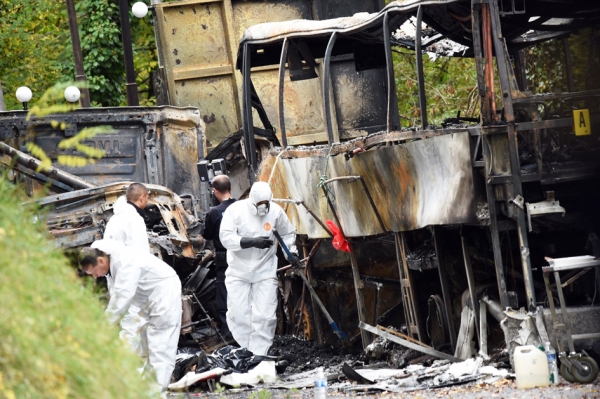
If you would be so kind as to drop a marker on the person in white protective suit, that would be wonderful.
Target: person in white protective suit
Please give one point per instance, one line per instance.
(144, 281)
(127, 226)
(251, 281)
(127, 223)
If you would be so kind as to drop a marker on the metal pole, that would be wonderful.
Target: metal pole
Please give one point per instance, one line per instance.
(411, 311)
(569, 62)
(284, 52)
(420, 77)
(491, 199)
(489, 110)
(326, 96)
(445, 290)
(84, 100)
(51, 172)
(479, 61)
(131, 86)
(247, 114)
(389, 65)
(2, 103)
(359, 288)
(513, 152)
(471, 281)
(358, 283)
(520, 70)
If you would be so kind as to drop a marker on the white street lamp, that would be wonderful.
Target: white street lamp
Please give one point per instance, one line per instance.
(140, 9)
(24, 95)
(72, 94)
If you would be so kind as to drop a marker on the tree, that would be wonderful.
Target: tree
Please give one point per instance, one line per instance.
(37, 51)
(100, 36)
(32, 37)
(450, 87)
(546, 64)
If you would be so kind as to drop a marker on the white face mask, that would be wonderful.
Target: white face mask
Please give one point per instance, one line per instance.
(262, 210)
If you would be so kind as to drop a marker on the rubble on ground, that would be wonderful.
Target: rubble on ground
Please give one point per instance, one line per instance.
(383, 366)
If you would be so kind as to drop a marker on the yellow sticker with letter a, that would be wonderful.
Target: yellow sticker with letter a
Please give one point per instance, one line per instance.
(267, 226)
(581, 122)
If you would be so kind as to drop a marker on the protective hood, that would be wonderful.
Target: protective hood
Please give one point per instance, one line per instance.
(260, 192)
(121, 206)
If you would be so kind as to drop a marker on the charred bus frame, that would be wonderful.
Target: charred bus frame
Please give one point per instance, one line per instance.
(496, 30)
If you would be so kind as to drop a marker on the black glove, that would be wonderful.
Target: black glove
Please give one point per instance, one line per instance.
(258, 242)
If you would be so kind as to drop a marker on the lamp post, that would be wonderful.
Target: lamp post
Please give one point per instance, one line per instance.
(24, 95)
(79, 71)
(2, 104)
(131, 86)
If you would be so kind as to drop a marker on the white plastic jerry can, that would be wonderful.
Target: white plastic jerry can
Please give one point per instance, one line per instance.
(531, 367)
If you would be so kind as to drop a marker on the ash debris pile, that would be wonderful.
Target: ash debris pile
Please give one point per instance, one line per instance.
(301, 355)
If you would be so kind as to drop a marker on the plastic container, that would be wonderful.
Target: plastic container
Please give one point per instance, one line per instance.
(531, 367)
(320, 384)
(552, 364)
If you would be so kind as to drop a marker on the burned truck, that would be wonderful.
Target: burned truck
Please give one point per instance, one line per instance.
(154, 145)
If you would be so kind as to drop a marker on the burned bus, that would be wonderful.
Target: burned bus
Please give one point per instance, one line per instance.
(437, 217)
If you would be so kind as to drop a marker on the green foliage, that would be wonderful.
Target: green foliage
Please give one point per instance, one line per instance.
(450, 86)
(145, 56)
(546, 64)
(37, 51)
(32, 36)
(56, 342)
(262, 394)
(100, 35)
(37, 152)
(219, 388)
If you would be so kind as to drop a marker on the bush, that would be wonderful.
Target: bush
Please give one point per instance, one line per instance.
(55, 341)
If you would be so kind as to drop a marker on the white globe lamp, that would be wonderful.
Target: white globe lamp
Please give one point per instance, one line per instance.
(24, 95)
(140, 9)
(72, 94)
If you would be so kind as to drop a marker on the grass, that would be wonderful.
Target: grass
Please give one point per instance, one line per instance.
(55, 341)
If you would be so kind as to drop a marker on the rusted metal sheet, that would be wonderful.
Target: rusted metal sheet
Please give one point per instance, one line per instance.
(197, 44)
(79, 217)
(413, 185)
(304, 119)
(156, 145)
(196, 48)
(297, 178)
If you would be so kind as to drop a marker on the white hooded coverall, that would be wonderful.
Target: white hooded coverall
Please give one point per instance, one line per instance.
(144, 281)
(251, 279)
(127, 227)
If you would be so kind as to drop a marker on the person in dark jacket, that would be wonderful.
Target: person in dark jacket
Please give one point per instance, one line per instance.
(210, 231)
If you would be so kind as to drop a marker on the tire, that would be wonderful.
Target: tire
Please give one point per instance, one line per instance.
(566, 374)
(587, 376)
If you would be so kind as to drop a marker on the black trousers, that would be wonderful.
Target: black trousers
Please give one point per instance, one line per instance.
(221, 290)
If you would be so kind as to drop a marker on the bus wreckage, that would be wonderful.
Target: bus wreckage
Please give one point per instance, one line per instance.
(443, 224)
